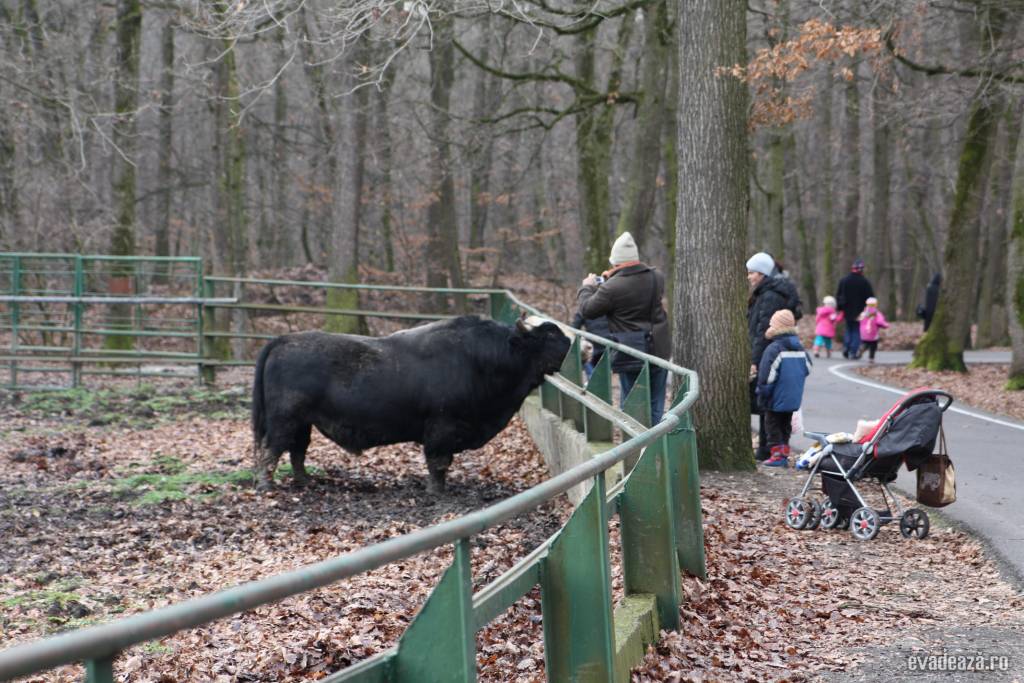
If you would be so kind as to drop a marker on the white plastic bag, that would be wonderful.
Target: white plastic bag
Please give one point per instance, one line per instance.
(798, 421)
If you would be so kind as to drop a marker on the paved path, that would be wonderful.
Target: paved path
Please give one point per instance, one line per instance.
(987, 449)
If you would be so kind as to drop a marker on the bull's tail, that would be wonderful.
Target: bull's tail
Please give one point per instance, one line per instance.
(259, 425)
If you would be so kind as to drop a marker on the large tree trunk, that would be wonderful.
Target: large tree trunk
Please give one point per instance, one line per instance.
(828, 266)
(594, 148)
(776, 225)
(670, 142)
(165, 144)
(808, 285)
(641, 182)
(345, 252)
(713, 195)
(1015, 271)
(851, 150)
(483, 153)
(126, 97)
(443, 251)
(386, 191)
(942, 347)
(878, 233)
(992, 311)
(283, 239)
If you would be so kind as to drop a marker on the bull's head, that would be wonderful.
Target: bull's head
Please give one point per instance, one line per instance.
(544, 341)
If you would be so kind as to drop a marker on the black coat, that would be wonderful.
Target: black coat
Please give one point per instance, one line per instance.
(597, 326)
(852, 295)
(771, 294)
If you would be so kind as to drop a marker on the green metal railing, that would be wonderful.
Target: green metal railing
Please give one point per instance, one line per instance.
(658, 504)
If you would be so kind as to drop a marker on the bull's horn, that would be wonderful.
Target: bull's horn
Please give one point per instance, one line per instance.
(521, 325)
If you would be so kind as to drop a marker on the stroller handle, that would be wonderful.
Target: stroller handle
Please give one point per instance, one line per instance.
(943, 398)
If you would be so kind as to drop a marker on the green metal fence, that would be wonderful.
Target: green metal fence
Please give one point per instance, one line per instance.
(658, 504)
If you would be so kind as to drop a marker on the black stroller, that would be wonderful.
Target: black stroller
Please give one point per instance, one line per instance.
(907, 434)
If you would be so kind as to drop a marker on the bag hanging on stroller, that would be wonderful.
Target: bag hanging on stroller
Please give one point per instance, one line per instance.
(936, 478)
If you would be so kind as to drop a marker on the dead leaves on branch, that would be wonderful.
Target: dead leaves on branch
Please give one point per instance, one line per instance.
(774, 70)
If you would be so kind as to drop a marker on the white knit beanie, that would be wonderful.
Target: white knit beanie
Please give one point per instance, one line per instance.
(761, 263)
(624, 250)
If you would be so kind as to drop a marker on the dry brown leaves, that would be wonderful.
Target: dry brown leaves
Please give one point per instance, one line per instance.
(78, 553)
(983, 387)
(793, 605)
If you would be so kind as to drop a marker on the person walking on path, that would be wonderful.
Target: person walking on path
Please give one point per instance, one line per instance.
(781, 376)
(871, 323)
(851, 296)
(931, 300)
(825, 319)
(770, 291)
(630, 295)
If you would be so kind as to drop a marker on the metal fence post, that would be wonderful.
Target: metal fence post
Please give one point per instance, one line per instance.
(100, 670)
(649, 561)
(440, 643)
(208, 347)
(76, 340)
(576, 596)
(15, 316)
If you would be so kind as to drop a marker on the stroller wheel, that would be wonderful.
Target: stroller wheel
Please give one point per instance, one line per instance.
(815, 519)
(798, 513)
(830, 517)
(864, 524)
(914, 524)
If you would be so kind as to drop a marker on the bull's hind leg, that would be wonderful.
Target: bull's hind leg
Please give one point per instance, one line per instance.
(266, 458)
(297, 454)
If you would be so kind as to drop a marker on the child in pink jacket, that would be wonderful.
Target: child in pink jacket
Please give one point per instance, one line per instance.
(825, 320)
(871, 322)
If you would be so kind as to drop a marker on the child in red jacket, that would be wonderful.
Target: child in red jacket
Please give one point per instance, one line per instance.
(871, 323)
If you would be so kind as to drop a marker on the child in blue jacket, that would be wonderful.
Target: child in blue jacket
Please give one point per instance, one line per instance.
(780, 384)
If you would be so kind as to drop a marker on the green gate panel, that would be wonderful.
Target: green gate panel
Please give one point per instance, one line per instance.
(649, 560)
(572, 370)
(682, 458)
(576, 596)
(638, 406)
(600, 385)
(440, 643)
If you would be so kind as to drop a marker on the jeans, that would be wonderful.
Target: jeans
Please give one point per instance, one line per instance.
(659, 376)
(851, 340)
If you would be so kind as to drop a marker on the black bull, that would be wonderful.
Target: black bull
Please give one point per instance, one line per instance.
(450, 386)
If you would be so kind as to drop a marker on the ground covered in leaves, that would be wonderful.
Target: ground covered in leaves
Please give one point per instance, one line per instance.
(117, 501)
(793, 605)
(105, 517)
(983, 387)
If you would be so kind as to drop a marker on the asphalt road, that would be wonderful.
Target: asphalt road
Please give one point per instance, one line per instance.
(987, 450)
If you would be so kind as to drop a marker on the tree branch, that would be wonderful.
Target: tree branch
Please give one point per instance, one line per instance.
(941, 70)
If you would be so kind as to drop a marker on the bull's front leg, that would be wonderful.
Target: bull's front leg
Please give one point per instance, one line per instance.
(437, 467)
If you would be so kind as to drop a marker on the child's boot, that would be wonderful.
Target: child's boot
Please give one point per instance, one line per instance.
(778, 458)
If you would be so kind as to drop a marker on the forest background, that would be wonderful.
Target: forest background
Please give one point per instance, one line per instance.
(468, 141)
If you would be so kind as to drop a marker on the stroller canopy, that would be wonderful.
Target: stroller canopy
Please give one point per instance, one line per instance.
(910, 428)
